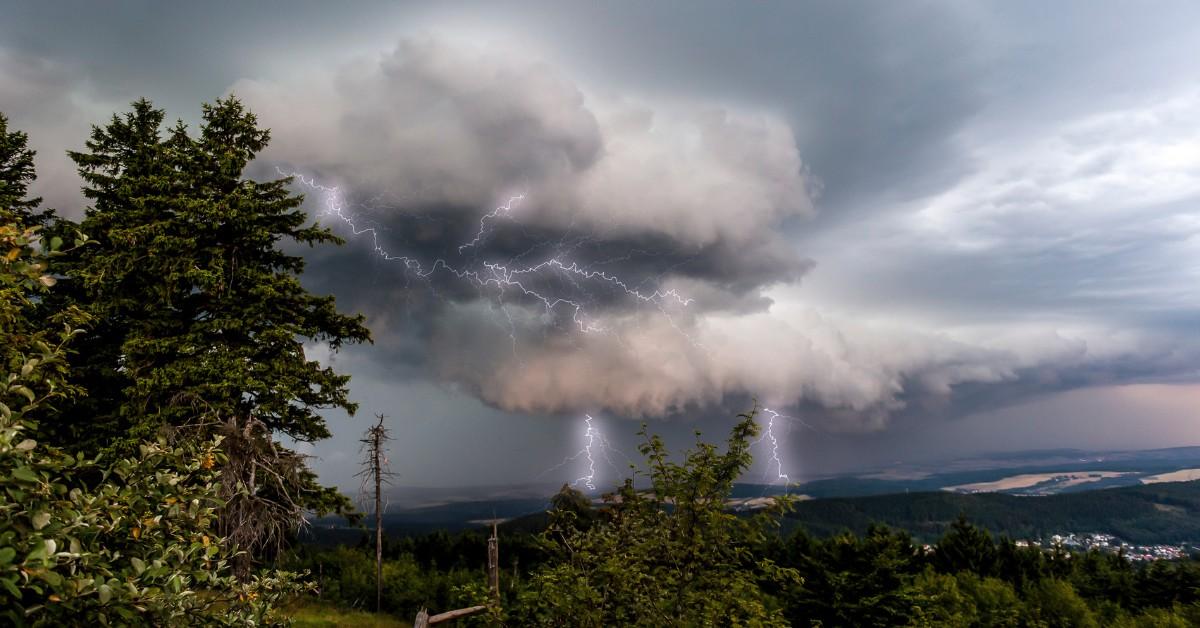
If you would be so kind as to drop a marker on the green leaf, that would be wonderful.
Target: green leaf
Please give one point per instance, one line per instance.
(51, 577)
(24, 474)
(23, 391)
(7, 554)
(105, 593)
(55, 243)
(138, 564)
(26, 444)
(41, 520)
(37, 554)
(11, 587)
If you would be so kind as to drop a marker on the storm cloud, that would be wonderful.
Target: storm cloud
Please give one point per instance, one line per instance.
(909, 225)
(687, 198)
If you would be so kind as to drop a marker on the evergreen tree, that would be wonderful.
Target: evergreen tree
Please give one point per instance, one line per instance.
(200, 315)
(966, 548)
(16, 173)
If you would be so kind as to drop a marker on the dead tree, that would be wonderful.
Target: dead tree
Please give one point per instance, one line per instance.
(376, 471)
(260, 487)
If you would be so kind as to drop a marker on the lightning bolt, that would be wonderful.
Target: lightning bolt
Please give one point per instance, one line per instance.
(495, 275)
(593, 440)
(776, 460)
(505, 208)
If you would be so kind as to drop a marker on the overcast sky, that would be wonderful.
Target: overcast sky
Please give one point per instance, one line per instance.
(921, 229)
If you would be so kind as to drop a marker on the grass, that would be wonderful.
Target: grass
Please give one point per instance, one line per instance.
(317, 614)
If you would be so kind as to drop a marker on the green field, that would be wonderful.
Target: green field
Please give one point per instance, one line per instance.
(317, 614)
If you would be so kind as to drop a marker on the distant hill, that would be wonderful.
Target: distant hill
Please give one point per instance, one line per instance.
(923, 499)
(1156, 513)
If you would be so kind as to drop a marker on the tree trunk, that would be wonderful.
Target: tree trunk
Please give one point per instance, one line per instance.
(378, 535)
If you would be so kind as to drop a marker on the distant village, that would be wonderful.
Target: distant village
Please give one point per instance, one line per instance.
(1111, 544)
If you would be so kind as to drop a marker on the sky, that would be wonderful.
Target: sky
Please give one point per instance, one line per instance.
(916, 231)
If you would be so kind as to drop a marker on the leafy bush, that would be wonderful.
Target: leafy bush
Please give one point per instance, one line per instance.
(674, 555)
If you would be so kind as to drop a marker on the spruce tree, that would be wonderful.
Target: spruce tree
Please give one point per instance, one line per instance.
(200, 317)
(16, 173)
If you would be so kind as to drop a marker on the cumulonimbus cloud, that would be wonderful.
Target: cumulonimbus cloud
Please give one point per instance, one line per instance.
(687, 197)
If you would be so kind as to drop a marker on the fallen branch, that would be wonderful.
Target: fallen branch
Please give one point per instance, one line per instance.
(424, 620)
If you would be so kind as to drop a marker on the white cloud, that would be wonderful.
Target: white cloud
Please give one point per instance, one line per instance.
(435, 123)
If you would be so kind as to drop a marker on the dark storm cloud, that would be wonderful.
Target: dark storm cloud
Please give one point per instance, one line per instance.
(881, 211)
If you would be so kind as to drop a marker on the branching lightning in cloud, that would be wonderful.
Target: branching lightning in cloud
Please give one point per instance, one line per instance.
(497, 275)
(505, 209)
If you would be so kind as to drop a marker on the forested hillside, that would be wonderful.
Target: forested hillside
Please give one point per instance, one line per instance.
(1158, 513)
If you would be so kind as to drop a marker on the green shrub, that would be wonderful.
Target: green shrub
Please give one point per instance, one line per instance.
(673, 555)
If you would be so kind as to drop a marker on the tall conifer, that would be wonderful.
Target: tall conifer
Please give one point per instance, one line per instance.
(200, 316)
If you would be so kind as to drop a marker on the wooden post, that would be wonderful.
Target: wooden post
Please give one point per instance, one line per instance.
(494, 565)
(423, 619)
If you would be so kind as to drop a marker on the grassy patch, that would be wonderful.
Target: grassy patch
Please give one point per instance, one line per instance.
(316, 614)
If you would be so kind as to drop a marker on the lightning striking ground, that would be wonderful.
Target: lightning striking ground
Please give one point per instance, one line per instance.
(593, 440)
(775, 459)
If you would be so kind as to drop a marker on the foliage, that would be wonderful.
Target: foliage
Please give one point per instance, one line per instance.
(970, 579)
(310, 613)
(16, 173)
(198, 316)
(572, 509)
(346, 576)
(852, 581)
(671, 556)
(188, 262)
(33, 351)
(130, 541)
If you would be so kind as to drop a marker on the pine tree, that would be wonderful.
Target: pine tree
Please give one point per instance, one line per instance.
(200, 315)
(16, 173)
